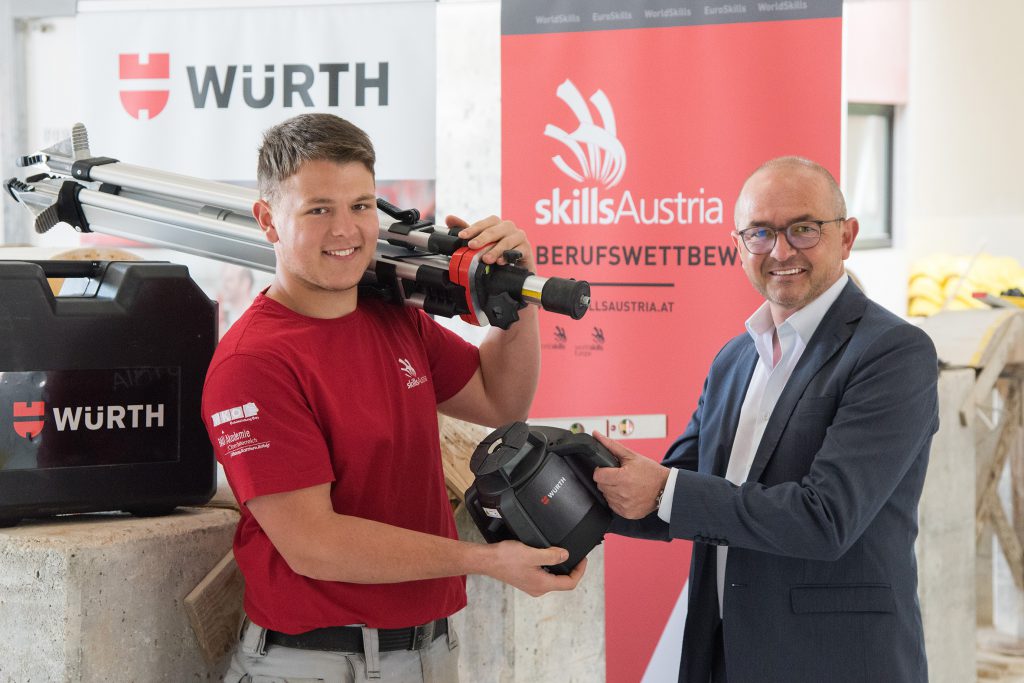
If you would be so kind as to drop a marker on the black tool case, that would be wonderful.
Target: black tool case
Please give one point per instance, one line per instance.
(100, 392)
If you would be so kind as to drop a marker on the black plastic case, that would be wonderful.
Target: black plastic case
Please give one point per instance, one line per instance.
(100, 393)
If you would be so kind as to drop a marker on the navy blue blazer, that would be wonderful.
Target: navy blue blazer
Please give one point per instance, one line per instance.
(821, 579)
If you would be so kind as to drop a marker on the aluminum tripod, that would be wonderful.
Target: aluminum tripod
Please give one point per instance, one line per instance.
(415, 264)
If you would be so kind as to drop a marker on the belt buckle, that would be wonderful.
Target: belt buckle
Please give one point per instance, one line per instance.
(422, 636)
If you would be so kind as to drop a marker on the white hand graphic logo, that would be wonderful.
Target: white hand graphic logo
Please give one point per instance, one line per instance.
(605, 158)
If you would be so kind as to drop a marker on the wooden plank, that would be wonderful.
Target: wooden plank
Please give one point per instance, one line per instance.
(989, 506)
(1008, 541)
(1017, 477)
(214, 608)
(989, 478)
(998, 354)
(458, 441)
(964, 338)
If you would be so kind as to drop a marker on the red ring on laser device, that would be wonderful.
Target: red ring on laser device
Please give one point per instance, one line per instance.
(458, 272)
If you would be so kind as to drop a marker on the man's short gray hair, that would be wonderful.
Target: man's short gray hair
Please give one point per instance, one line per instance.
(800, 162)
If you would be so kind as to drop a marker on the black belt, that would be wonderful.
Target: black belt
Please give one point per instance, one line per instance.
(350, 638)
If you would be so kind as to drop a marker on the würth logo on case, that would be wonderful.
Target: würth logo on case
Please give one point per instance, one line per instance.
(91, 418)
(139, 75)
(596, 149)
(555, 489)
(31, 427)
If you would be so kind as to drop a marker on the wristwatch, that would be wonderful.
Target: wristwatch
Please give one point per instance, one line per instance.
(657, 500)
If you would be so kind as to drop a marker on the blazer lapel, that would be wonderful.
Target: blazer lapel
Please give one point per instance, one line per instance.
(832, 333)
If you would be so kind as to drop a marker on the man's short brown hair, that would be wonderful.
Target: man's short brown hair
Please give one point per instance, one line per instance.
(309, 137)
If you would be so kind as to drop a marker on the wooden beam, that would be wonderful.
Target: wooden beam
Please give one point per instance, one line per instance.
(989, 478)
(1008, 541)
(1004, 340)
(989, 508)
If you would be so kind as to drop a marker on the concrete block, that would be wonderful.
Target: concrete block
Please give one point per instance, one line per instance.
(99, 597)
(945, 544)
(506, 636)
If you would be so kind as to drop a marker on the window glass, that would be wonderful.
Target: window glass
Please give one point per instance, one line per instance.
(869, 172)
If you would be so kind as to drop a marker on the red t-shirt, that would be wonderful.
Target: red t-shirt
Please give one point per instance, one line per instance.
(292, 402)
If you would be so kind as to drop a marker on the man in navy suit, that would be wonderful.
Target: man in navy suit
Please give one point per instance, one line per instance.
(799, 474)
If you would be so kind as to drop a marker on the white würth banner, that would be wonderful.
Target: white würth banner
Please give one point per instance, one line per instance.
(191, 90)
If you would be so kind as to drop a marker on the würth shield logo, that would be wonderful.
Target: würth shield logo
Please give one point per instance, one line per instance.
(598, 153)
(139, 74)
(31, 427)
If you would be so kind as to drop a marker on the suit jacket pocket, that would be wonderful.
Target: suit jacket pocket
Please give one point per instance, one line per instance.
(816, 405)
(849, 597)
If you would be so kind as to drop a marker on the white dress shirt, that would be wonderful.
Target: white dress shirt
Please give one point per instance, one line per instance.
(766, 385)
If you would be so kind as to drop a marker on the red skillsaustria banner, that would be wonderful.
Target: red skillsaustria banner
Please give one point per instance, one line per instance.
(628, 128)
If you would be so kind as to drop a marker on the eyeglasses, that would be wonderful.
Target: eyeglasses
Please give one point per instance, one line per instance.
(800, 235)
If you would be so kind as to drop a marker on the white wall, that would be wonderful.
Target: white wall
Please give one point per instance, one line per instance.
(960, 143)
(468, 108)
(880, 77)
(468, 118)
(965, 132)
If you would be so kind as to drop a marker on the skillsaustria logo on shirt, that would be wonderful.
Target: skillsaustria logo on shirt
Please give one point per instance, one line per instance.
(405, 366)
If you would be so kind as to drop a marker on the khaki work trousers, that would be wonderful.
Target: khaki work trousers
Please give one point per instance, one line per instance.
(256, 662)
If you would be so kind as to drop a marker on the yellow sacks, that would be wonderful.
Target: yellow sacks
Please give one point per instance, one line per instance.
(946, 282)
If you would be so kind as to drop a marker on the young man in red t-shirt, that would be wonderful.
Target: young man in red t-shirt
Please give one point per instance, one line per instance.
(322, 410)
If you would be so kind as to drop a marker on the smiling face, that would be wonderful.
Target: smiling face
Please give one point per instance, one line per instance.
(776, 197)
(323, 225)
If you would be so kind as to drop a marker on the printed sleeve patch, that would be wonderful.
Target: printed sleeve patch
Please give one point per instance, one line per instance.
(236, 414)
(242, 440)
